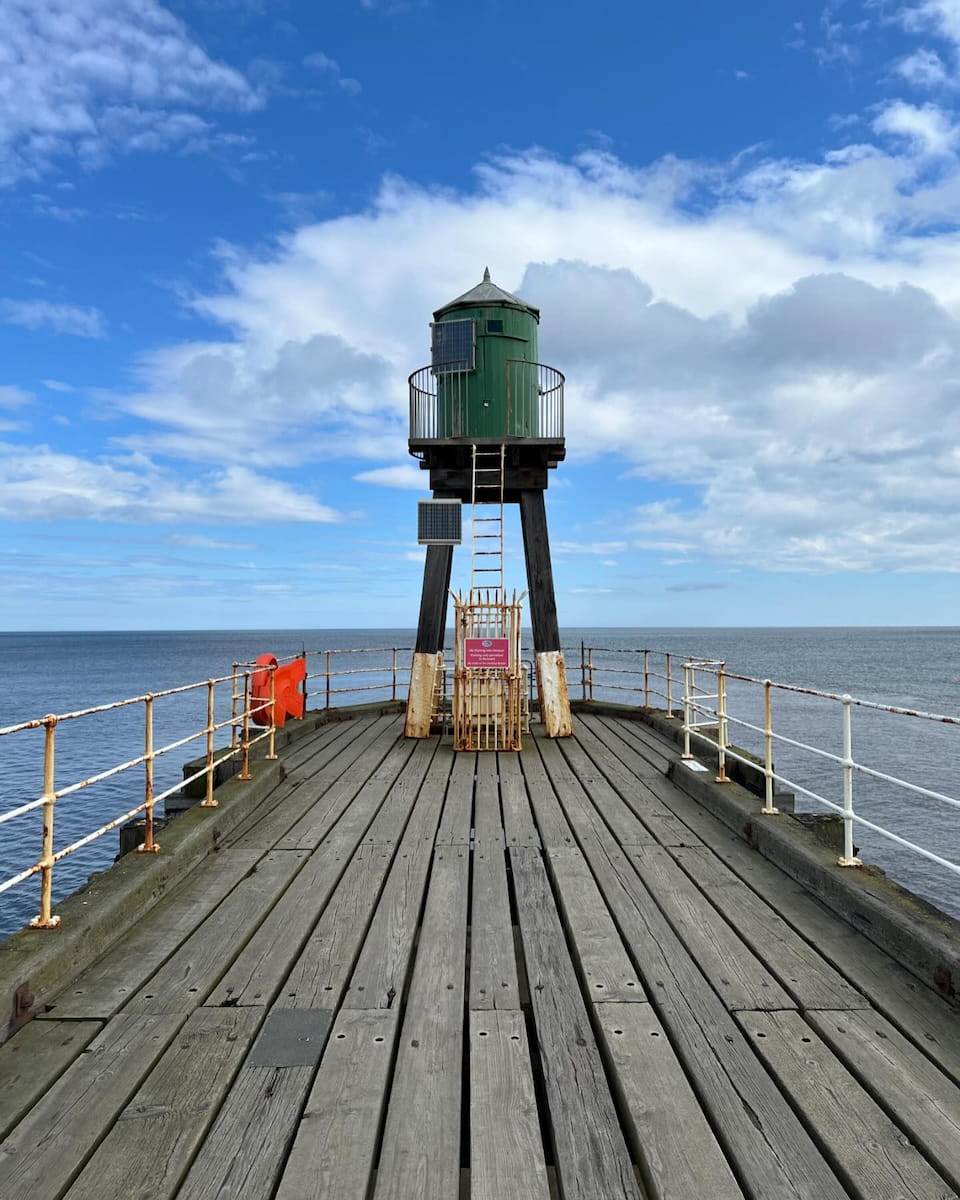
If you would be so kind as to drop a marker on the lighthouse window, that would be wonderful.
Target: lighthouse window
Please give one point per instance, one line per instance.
(453, 346)
(494, 327)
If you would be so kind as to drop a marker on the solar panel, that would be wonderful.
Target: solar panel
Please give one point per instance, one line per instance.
(439, 523)
(453, 346)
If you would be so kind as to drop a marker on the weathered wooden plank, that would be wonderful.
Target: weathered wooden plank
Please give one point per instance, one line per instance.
(646, 761)
(347, 815)
(420, 1155)
(333, 781)
(518, 823)
(918, 1013)
(735, 972)
(388, 826)
(574, 800)
(650, 746)
(188, 976)
(457, 819)
(336, 1141)
(506, 1151)
(678, 1153)
(876, 1160)
(493, 966)
(487, 819)
(920, 1099)
(552, 826)
(108, 983)
(809, 979)
(255, 975)
(591, 1156)
(34, 1058)
(493, 971)
(326, 961)
(604, 965)
(49, 1147)
(774, 1155)
(608, 783)
(636, 783)
(380, 976)
(245, 1150)
(148, 1150)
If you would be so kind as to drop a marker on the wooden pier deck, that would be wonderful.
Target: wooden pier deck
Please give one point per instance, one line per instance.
(414, 975)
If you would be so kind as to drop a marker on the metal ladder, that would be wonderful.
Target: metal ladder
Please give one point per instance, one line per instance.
(486, 551)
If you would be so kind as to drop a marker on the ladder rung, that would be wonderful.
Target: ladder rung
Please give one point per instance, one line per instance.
(487, 553)
(486, 571)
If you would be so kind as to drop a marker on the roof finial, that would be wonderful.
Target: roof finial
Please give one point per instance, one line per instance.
(486, 274)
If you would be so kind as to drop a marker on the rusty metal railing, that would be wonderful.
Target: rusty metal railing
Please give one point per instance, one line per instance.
(243, 708)
(391, 675)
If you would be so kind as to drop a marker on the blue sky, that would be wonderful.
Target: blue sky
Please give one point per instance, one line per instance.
(225, 225)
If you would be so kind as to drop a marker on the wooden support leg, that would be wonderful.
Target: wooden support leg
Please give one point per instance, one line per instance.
(428, 653)
(551, 675)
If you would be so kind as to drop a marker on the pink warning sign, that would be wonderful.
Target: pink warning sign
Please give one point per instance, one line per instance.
(486, 652)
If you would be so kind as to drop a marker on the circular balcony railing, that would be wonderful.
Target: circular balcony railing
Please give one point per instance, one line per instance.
(440, 402)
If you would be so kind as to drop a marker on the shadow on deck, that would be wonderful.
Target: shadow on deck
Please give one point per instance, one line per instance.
(412, 974)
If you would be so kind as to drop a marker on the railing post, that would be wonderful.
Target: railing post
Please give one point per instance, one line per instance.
(303, 686)
(393, 694)
(234, 740)
(689, 683)
(646, 679)
(768, 805)
(245, 759)
(848, 858)
(669, 685)
(722, 725)
(328, 678)
(45, 919)
(272, 739)
(583, 670)
(209, 801)
(149, 846)
(590, 666)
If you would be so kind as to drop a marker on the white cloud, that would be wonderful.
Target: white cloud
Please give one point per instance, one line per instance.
(14, 397)
(87, 78)
(329, 67)
(55, 385)
(406, 476)
(60, 318)
(939, 16)
(562, 547)
(774, 342)
(37, 483)
(201, 542)
(928, 128)
(923, 69)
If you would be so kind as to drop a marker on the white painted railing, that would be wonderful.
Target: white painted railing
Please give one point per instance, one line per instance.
(719, 719)
(697, 690)
(231, 696)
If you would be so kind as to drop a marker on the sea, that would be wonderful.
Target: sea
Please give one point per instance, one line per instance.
(915, 668)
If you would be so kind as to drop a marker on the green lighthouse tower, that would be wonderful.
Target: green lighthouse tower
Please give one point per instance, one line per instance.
(486, 420)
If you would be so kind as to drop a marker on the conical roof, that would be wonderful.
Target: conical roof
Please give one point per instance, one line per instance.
(487, 292)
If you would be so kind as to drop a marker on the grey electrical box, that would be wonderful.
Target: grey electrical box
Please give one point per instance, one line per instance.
(439, 522)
